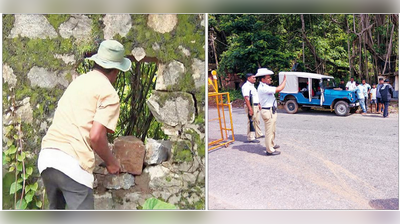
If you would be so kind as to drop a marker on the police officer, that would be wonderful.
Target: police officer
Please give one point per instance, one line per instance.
(252, 108)
(266, 94)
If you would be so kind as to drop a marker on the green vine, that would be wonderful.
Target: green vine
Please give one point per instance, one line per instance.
(20, 170)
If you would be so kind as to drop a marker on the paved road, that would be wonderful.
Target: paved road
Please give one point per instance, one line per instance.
(327, 162)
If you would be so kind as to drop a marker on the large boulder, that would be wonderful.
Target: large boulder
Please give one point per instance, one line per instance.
(130, 152)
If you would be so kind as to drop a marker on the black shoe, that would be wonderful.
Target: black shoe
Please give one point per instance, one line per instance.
(276, 147)
(253, 141)
(274, 153)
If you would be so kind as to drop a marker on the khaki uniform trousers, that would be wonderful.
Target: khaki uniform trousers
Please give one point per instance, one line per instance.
(270, 128)
(256, 123)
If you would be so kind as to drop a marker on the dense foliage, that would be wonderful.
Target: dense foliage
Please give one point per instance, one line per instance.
(347, 45)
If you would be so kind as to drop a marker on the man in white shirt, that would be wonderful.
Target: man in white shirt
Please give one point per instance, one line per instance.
(367, 87)
(351, 85)
(266, 93)
(252, 108)
(361, 92)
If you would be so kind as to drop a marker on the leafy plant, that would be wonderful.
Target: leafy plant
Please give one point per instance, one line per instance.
(154, 204)
(23, 185)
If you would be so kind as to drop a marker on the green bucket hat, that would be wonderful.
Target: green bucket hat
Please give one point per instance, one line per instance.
(111, 55)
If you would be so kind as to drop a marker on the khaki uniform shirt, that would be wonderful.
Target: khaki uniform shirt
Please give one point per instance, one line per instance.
(90, 97)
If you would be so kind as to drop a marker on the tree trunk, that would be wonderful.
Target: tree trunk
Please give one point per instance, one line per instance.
(389, 51)
(348, 43)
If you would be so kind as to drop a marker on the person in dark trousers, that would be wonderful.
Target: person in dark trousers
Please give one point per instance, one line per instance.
(386, 92)
(252, 109)
(378, 97)
(88, 109)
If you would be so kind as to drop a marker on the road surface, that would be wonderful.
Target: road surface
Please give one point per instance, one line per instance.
(327, 162)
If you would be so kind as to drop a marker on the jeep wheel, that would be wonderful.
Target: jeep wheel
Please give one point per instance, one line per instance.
(291, 106)
(342, 108)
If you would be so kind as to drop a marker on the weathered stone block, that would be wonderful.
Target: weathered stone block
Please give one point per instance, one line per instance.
(162, 23)
(169, 76)
(116, 24)
(130, 152)
(46, 79)
(157, 151)
(8, 75)
(103, 202)
(78, 26)
(32, 26)
(172, 108)
(139, 53)
(124, 181)
(198, 68)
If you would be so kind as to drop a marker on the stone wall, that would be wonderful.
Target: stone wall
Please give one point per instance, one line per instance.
(41, 55)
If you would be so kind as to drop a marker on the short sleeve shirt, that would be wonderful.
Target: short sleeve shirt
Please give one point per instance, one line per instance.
(266, 94)
(351, 85)
(360, 90)
(90, 97)
(248, 88)
(367, 87)
(373, 94)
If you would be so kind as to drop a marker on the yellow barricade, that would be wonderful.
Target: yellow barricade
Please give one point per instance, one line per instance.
(222, 102)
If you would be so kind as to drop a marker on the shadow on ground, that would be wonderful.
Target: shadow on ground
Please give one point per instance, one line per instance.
(385, 204)
(251, 148)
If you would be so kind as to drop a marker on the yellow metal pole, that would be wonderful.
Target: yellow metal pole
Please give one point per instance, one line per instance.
(230, 116)
(223, 116)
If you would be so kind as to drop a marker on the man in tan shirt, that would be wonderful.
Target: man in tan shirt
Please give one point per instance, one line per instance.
(88, 109)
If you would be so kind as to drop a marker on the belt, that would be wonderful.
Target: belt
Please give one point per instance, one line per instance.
(266, 108)
(255, 104)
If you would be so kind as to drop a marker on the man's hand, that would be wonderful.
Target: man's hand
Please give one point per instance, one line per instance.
(114, 168)
(251, 112)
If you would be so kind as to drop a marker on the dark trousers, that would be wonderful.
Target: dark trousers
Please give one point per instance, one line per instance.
(386, 110)
(61, 190)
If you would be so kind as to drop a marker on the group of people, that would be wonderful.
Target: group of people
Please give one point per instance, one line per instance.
(379, 95)
(262, 100)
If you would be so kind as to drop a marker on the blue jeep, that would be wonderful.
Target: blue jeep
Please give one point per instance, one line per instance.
(306, 90)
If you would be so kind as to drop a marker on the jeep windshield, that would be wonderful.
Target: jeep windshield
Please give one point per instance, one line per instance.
(328, 83)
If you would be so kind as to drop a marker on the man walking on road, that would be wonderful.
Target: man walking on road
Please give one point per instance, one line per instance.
(361, 92)
(88, 109)
(378, 96)
(252, 108)
(386, 92)
(269, 113)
